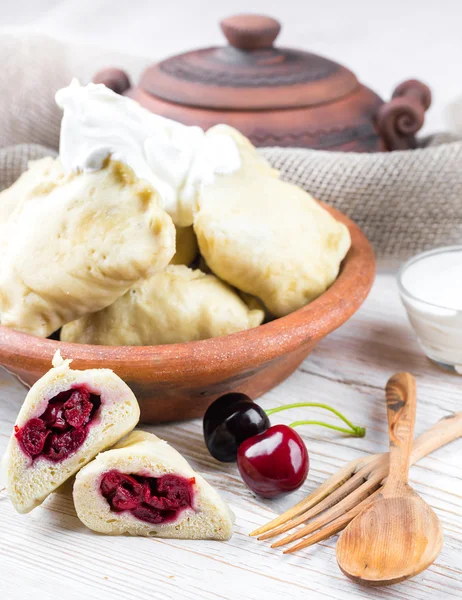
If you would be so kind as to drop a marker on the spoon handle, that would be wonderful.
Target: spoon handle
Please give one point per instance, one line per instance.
(401, 408)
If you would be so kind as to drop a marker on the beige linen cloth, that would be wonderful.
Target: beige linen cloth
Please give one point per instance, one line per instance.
(405, 202)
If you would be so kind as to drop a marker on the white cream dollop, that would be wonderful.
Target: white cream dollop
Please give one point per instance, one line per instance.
(174, 158)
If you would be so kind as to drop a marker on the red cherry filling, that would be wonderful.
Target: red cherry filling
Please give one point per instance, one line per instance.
(151, 499)
(32, 436)
(62, 428)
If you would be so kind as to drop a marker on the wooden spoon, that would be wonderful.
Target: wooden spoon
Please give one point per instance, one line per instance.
(398, 535)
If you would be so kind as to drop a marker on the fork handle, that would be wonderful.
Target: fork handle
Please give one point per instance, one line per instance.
(401, 408)
(441, 433)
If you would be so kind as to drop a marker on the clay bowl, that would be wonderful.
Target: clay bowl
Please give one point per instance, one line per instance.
(179, 381)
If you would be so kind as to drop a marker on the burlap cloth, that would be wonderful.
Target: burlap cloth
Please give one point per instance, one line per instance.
(405, 202)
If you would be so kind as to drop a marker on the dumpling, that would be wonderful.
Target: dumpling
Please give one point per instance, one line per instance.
(145, 487)
(175, 305)
(269, 238)
(186, 246)
(68, 416)
(76, 244)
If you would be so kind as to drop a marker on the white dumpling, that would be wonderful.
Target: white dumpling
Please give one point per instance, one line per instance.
(78, 242)
(68, 416)
(176, 305)
(268, 238)
(145, 487)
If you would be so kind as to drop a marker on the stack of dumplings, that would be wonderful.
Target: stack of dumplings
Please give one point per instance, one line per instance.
(96, 253)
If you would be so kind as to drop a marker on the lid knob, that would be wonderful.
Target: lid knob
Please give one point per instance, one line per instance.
(250, 32)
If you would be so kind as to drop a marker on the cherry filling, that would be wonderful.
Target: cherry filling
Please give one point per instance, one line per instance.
(62, 428)
(151, 499)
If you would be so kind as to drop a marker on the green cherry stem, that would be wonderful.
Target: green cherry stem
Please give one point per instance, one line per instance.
(354, 430)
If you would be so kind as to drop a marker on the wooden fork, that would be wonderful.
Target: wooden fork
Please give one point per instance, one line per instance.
(349, 491)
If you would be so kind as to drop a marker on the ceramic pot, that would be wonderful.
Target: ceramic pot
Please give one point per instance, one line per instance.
(276, 96)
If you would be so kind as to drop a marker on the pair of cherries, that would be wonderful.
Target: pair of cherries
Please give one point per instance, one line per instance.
(272, 460)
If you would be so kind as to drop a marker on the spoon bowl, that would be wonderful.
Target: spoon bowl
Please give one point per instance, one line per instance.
(406, 540)
(397, 535)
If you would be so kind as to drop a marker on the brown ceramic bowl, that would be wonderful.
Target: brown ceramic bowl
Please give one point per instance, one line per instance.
(179, 381)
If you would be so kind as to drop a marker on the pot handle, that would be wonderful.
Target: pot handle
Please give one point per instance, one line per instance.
(250, 32)
(401, 118)
(116, 80)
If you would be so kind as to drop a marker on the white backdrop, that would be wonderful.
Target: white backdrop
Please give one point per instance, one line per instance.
(384, 42)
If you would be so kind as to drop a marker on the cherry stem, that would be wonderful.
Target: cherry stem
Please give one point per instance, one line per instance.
(354, 430)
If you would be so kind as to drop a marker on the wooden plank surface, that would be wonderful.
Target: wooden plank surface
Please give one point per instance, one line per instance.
(49, 553)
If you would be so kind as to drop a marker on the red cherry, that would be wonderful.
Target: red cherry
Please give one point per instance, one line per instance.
(273, 462)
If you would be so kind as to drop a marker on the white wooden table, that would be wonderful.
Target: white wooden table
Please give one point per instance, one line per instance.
(49, 554)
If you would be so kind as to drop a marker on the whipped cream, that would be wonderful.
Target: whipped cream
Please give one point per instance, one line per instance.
(174, 158)
(431, 289)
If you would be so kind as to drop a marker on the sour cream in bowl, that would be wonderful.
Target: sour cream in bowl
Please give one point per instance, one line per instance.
(430, 285)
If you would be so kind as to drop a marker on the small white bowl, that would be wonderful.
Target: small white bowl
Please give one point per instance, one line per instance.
(430, 285)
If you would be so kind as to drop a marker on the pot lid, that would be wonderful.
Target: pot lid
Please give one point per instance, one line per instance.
(250, 73)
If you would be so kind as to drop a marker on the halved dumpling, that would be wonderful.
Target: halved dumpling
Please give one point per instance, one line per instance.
(68, 416)
(176, 305)
(145, 487)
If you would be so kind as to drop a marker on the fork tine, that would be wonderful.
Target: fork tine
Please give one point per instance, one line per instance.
(322, 534)
(331, 484)
(343, 507)
(334, 527)
(380, 465)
